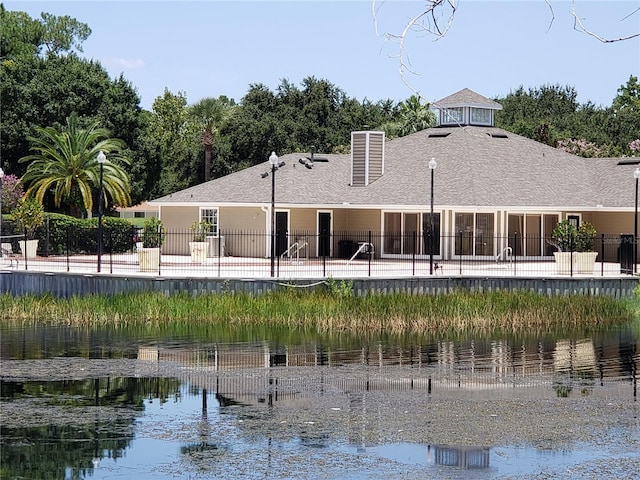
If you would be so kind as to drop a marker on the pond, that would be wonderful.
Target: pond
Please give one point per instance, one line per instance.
(221, 403)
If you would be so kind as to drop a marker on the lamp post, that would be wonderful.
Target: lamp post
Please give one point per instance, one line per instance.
(101, 158)
(273, 161)
(1, 177)
(432, 166)
(636, 175)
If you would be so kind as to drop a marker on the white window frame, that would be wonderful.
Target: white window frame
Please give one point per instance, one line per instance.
(211, 215)
(480, 116)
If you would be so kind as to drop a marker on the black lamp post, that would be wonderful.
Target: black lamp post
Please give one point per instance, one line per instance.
(1, 177)
(101, 158)
(636, 175)
(432, 166)
(273, 161)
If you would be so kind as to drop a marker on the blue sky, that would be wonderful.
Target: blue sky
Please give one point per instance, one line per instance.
(211, 48)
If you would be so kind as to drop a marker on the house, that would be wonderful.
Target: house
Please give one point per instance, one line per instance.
(142, 210)
(493, 191)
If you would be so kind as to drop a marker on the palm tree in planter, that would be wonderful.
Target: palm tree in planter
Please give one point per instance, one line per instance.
(585, 255)
(564, 239)
(28, 215)
(153, 233)
(199, 247)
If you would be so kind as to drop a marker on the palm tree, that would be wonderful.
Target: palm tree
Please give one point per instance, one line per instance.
(415, 116)
(65, 165)
(210, 115)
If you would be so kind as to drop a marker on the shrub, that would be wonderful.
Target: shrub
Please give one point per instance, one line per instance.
(153, 233)
(585, 237)
(200, 230)
(29, 215)
(564, 235)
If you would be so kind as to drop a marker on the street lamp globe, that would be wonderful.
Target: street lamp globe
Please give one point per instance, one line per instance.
(273, 159)
(433, 164)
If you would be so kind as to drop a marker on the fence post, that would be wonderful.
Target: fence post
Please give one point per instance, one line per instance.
(110, 234)
(67, 248)
(24, 253)
(460, 256)
(602, 255)
(413, 256)
(324, 253)
(370, 250)
(220, 237)
(515, 251)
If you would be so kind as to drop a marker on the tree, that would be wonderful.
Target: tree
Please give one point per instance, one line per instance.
(11, 192)
(415, 116)
(209, 116)
(65, 166)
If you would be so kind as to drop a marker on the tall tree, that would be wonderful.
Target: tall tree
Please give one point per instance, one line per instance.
(65, 167)
(210, 115)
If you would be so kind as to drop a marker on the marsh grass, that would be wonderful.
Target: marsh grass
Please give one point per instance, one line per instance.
(327, 312)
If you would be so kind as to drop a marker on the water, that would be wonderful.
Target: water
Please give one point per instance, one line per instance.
(104, 404)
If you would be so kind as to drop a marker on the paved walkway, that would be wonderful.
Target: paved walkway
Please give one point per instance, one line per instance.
(239, 267)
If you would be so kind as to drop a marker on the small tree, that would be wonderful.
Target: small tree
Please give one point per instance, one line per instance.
(564, 236)
(12, 191)
(153, 233)
(29, 215)
(200, 230)
(585, 237)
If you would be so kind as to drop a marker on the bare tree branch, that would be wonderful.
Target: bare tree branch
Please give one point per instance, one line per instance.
(579, 26)
(436, 18)
(426, 22)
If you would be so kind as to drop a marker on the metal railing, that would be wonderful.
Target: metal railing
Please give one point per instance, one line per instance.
(243, 254)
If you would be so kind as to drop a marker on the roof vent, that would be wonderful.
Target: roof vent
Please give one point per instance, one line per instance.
(439, 135)
(367, 157)
(498, 135)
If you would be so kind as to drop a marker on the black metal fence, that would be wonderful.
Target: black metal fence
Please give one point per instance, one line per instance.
(305, 254)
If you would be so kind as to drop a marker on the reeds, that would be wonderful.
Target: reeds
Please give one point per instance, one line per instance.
(324, 312)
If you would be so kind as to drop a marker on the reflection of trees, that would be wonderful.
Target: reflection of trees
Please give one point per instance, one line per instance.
(70, 444)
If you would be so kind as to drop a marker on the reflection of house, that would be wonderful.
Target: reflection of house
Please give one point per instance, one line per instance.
(489, 185)
(461, 457)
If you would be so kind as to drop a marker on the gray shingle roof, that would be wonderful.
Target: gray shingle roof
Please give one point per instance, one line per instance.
(475, 169)
(467, 98)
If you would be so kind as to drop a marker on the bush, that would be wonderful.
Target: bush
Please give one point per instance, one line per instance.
(153, 233)
(564, 235)
(586, 236)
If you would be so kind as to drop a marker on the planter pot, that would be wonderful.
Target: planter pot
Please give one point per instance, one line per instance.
(149, 259)
(199, 251)
(564, 262)
(585, 262)
(29, 250)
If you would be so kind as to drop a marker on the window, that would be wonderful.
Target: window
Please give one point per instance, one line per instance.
(210, 215)
(452, 115)
(481, 116)
(474, 234)
(138, 215)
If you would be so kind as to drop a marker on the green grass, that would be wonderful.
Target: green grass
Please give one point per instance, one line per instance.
(330, 312)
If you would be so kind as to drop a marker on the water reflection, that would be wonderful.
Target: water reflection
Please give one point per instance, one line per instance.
(90, 396)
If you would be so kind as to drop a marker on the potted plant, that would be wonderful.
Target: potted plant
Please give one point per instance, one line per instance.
(564, 239)
(199, 247)
(153, 234)
(28, 215)
(585, 255)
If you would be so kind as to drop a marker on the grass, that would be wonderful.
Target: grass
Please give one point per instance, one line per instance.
(328, 312)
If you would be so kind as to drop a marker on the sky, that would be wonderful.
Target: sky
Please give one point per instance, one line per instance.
(215, 47)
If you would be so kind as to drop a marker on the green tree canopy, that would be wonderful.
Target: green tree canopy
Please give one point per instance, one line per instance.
(65, 167)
